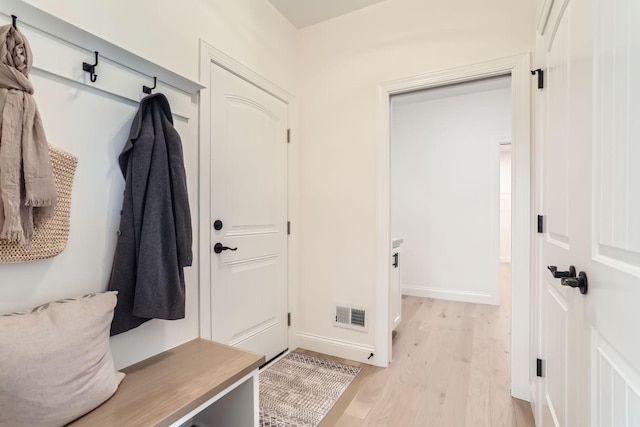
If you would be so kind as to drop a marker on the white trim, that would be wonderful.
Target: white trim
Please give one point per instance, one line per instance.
(339, 348)
(494, 224)
(451, 294)
(55, 27)
(556, 23)
(537, 346)
(594, 392)
(209, 55)
(505, 259)
(382, 328)
(63, 47)
(521, 229)
(225, 61)
(519, 69)
(533, 391)
(256, 399)
(543, 18)
(483, 70)
(204, 214)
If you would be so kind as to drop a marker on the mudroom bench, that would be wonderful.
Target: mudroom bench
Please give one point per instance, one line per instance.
(199, 383)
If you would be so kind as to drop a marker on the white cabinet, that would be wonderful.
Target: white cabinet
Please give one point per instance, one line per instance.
(395, 283)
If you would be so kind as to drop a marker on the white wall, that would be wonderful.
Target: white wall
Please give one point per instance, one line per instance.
(505, 203)
(94, 127)
(339, 65)
(445, 167)
(253, 32)
(332, 158)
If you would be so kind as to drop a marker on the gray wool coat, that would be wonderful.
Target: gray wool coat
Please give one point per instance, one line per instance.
(154, 239)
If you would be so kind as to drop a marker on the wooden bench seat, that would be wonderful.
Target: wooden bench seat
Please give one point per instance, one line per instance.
(175, 386)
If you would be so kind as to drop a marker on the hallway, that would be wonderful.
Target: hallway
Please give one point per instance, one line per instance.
(450, 368)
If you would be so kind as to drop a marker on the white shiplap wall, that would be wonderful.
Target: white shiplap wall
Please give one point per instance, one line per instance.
(92, 122)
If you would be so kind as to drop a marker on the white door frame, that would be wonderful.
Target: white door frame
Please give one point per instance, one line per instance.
(209, 55)
(519, 68)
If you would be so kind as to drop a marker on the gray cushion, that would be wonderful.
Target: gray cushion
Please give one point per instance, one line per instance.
(55, 361)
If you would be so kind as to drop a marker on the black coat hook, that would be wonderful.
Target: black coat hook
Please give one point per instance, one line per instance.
(146, 89)
(91, 69)
(14, 19)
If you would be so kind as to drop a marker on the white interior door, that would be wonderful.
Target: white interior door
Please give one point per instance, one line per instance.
(565, 111)
(613, 257)
(591, 202)
(249, 198)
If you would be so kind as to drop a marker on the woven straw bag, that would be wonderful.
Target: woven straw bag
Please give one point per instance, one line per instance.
(50, 238)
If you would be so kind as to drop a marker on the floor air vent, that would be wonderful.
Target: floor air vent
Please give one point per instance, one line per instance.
(351, 317)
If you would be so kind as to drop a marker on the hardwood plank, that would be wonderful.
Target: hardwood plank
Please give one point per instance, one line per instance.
(370, 392)
(160, 390)
(502, 412)
(408, 352)
(431, 411)
(347, 421)
(478, 403)
(450, 368)
(524, 415)
(457, 396)
(409, 402)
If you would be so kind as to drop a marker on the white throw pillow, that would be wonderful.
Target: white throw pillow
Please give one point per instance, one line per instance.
(55, 361)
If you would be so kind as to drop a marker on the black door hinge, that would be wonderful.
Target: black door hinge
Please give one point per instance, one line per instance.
(288, 135)
(540, 224)
(288, 227)
(540, 73)
(288, 319)
(539, 367)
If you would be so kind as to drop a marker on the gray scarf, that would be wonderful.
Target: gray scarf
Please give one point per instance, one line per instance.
(27, 188)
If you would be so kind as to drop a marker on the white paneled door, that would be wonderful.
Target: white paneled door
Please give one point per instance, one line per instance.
(248, 215)
(589, 133)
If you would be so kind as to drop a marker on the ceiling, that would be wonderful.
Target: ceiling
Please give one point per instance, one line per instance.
(303, 13)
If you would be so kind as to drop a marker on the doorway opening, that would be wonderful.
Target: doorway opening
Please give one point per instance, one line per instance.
(450, 205)
(445, 188)
(518, 69)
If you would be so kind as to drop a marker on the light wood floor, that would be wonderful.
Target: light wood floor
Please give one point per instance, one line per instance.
(450, 368)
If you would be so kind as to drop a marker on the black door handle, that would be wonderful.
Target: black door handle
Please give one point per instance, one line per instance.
(580, 282)
(560, 274)
(395, 260)
(217, 248)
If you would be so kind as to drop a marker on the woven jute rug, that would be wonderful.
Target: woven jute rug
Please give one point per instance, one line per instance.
(299, 390)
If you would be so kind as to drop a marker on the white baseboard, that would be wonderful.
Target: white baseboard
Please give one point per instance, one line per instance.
(505, 259)
(338, 348)
(533, 397)
(451, 294)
